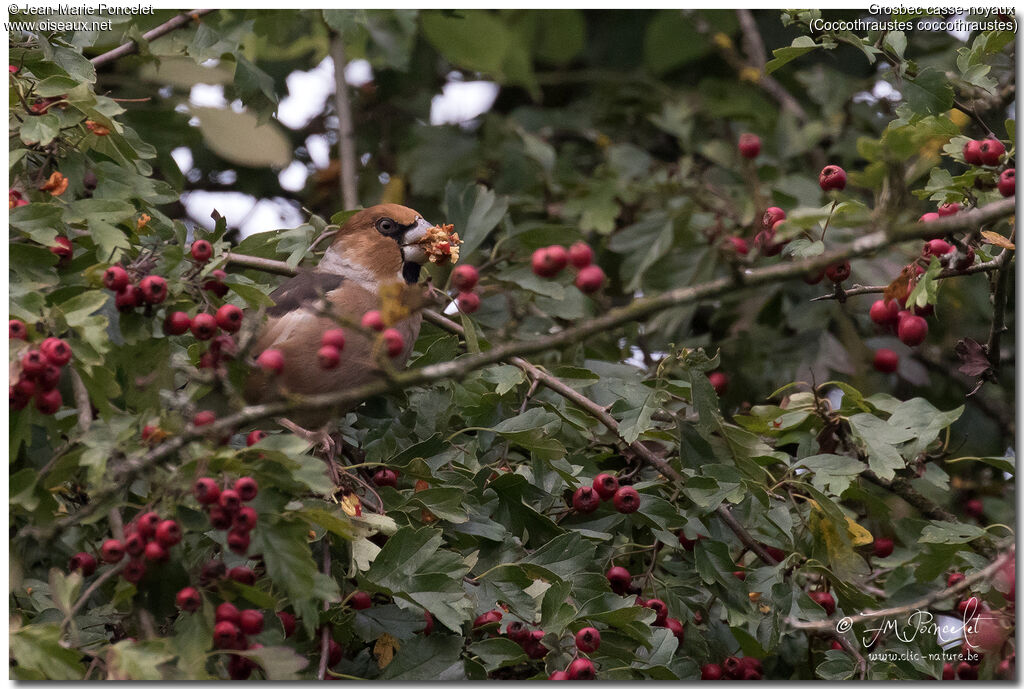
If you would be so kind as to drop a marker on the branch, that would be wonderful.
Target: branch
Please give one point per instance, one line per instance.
(998, 309)
(987, 267)
(459, 368)
(346, 143)
(131, 46)
(920, 604)
(325, 633)
(267, 265)
(100, 580)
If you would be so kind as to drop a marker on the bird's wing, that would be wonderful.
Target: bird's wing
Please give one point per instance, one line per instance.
(302, 290)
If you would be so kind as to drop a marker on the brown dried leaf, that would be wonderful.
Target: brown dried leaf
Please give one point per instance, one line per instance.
(900, 288)
(998, 240)
(972, 354)
(384, 650)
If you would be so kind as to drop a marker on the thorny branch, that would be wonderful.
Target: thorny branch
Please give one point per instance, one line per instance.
(165, 28)
(457, 369)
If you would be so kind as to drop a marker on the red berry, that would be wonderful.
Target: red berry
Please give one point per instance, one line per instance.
(334, 652)
(659, 608)
(676, 627)
(832, 177)
(154, 552)
(360, 600)
(947, 209)
(201, 251)
(48, 378)
(373, 320)
(230, 500)
(168, 533)
(464, 278)
(974, 508)
(886, 361)
(16, 330)
(517, 631)
(33, 362)
(739, 245)
(49, 402)
(588, 639)
(825, 600)
(176, 323)
(134, 571)
(585, 499)
(548, 262)
(216, 283)
(243, 575)
(883, 547)
(226, 634)
(468, 302)
(247, 487)
(238, 541)
(154, 289)
(885, 312)
(719, 381)
(115, 278)
(428, 627)
(581, 669)
(965, 670)
(711, 671)
(335, 337)
(626, 499)
(535, 650)
(929, 217)
(204, 418)
(954, 578)
(838, 271)
(84, 562)
(912, 330)
(206, 491)
(271, 361)
(288, 622)
(581, 255)
(240, 667)
(742, 576)
(229, 318)
(254, 437)
(688, 544)
(991, 150)
(385, 477)
(56, 351)
(204, 326)
(147, 524)
(128, 298)
(245, 519)
(606, 485)
(972, 152)
(328, 357)
(489, 617)
(220, 518)
(936, 247)
(558, 675)
(188, 599)
(134, 544)
(619, 579)
(590, 279)
(750, 145)
(948, 671)
(251, 622)
(112, 551)
(63, 249)
(836, 646)
(25, 387)
(771, 216)
(1008, 182)
(394, 343)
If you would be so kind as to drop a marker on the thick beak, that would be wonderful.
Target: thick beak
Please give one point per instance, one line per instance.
(412, 250)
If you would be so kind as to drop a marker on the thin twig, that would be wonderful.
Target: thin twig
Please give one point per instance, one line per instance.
(999, 308)
(81, 400)
(346, 142)
(458, 369)
(100, 580)
(325, 634)
(165, 28)
(855, 290)
(919, 604)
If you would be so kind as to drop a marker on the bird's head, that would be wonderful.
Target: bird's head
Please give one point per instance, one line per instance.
(379, 244)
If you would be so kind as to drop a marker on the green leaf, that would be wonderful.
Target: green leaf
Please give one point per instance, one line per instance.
(498, 652)
(801, 45)
(433, 657)
(472, 39)
(402, 556)
(288, 558)
(41, 130)
(37, 647)
(279, 663)
(475, 211)
(562, 556)
(951, 533)
(138, 660)
(838, 665)
(880, 439)
(832, 473)
(929, 93)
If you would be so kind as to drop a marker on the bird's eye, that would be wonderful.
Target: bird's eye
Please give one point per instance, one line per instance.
(386, 225)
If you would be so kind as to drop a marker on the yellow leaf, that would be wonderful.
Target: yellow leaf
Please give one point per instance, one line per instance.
(384, 650)
(858, 534)
(351, 506)
(998, 240)
(764, 608)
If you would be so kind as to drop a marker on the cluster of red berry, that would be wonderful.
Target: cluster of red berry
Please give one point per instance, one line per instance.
(147, 539)
(40, 371)
(587, 640)
(465, 279)
(549, 261)
(621, 582)
(586, 499)
(226, 511)
(745, 668)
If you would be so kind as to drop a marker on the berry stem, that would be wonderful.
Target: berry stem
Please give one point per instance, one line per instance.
(828, 219)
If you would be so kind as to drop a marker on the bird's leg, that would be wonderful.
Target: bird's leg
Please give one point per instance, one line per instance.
(320, 439)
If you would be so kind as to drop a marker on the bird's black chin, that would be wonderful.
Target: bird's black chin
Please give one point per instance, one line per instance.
(411, 272)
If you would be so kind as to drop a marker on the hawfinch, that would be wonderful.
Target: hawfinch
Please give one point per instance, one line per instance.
(375, 256)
